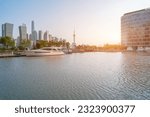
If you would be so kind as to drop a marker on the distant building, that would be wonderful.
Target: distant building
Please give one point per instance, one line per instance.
(27, 36)
(40, 35)
(46, 36)
(74, 40)
(34, 36)
(3, 30)
(17, 41)
(60, 39)
(23, 32)
(135, 29)
(50, 37)
(32, 27)
(56, 39)
(30, 36)
(53, 38)
(7, 30)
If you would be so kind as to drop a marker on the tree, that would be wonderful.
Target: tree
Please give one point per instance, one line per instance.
(67, 45)
(7, 42)
(24, 44)
(41, 43)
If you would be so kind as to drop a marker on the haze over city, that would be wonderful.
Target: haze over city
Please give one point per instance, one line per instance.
(95, 21)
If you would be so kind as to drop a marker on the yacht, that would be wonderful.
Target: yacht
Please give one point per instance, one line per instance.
(46, 51)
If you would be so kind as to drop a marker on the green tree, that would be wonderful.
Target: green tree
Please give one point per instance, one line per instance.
(41, 43)
(7, 42)
(67, 45)
(24, 44)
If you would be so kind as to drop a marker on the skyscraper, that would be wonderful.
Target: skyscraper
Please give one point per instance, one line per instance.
(32, 26)
(7, 30)
(27, 36)
(46, 36)
(30, 36)
(3, 30)
(34, 36)
(23, 32)
(40, 35)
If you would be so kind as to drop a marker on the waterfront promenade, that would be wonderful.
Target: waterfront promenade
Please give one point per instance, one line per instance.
(3, 55)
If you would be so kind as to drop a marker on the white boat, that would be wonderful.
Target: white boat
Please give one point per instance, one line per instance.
(46, 51)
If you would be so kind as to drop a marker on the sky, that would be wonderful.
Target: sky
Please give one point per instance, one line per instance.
(96, 22)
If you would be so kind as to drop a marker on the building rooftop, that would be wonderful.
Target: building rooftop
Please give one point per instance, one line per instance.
(137, 11)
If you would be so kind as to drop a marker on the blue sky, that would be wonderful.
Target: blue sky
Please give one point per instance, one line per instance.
(95, 21)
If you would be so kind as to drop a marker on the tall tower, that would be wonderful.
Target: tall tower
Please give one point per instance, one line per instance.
(33, 32)
(32, 27)
(74, 40)
(40, 35)
(74, 37)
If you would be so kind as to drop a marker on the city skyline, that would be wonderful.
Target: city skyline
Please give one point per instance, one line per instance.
(95, 21)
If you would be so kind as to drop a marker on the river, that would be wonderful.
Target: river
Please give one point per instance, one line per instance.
(80, 76)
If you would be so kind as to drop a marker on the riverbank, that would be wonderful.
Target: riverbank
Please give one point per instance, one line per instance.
(21, 54)
(82, 51)
(9, 55)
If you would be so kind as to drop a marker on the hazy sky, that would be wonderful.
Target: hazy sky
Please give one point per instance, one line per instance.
(95, 21)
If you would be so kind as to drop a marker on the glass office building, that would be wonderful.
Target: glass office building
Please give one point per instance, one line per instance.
(23, 32)
(7, 30)
(135, 29)
(40, 35)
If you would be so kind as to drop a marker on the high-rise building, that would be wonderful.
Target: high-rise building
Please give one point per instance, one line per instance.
(34, 36)
(3, 30)
(7, 30)
(40, 35)
(27, 36)
(46, 36)
(30, 36)
(50, 37)
(23, 32)
(135, 29)
(17, 42)
(32, 27)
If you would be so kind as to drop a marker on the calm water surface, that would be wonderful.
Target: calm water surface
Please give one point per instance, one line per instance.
(76, 76)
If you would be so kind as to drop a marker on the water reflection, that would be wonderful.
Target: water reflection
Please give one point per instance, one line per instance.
(77, 76)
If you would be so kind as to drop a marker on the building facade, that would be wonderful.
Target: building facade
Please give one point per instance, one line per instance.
(46, 36)
(23, 32)
(40, 35)
(32, 27)
(135, 29)
(34, 36)
(7, 30)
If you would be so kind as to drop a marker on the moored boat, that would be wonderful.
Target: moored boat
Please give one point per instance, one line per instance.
(46, 51)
